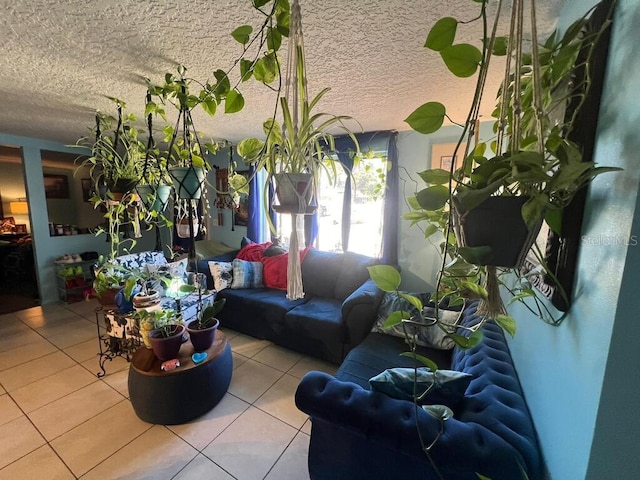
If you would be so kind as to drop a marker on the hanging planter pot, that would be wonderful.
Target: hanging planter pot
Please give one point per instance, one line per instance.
(188, 182)
(154, 199)
(496, 223)
(295, 193)
(182, 227)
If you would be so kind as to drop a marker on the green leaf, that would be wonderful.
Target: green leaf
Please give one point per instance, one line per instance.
(478, 290)
(441, 412)
(224, 85)
(209, 105)
(553, 217)
(430, 230)
(436, 176)
(500, 46)
(260, 3)
(242, 34)
(433, 366)
(427, 118)
(265, 69)
(415, 301)
(433, 198)
(274, 39)
(246, 69)
(395, 318)
(385, 277)
(462, 60)
(442, 34)
(476, 255)
(507, 323)
(534, 209)
(234, 102)
(250, 148)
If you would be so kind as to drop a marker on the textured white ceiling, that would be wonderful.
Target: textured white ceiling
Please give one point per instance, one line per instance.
(61, 58)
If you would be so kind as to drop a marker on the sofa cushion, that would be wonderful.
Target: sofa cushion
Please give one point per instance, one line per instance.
(353, 273)
(211, 248)
(275, 271)
(222, 274)
(445, 387)
(380, 351)
(320, 271)
(246, 274)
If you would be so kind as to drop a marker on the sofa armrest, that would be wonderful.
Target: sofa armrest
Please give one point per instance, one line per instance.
(359, 311)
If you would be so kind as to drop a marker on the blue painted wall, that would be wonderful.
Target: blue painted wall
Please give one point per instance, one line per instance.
(577, 377)
(48, 248)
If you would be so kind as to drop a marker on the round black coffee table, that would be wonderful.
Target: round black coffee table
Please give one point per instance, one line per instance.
(180, 395)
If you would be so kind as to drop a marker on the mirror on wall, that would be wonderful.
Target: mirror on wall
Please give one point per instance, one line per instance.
(68, 192)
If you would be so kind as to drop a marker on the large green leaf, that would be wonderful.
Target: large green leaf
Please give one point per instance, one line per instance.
(415, 301)
(422, 359)
(476, 255)
(234, 102)
(265, 69)
(385, 277)
(209, 105)
(433, 198)
(250, 148)
(478, 290)
(442, 34)
(462, 60)
(507, 323)
(242, 33)
(395, 318)
(274, 39)
(224, 85)
(427, 118)
(436, 176)
(246, 69)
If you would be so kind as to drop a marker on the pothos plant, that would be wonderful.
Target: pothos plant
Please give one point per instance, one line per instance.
(531, 155)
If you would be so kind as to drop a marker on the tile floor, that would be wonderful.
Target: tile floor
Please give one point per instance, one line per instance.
(59, 421)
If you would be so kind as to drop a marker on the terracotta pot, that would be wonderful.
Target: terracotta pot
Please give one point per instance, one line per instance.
(108, 298)
(202, 339)
(166, 348)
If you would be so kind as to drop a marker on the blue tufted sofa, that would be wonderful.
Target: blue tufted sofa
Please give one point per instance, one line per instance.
(360, 434)
(336, 313)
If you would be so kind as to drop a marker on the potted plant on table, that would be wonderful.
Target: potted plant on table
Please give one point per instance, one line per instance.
(161, 330)
(202, 330)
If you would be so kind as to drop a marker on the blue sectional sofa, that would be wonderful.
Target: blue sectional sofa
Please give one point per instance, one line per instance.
(336, 313)
(360, 434)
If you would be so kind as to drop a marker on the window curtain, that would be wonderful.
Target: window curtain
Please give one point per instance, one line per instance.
(383, 143)
(257, 225)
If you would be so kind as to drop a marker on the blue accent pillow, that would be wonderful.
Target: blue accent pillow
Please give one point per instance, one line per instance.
(247, 274)
(445, 387)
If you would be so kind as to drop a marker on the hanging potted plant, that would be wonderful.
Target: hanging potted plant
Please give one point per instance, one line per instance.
(527, 175)
(294, 154)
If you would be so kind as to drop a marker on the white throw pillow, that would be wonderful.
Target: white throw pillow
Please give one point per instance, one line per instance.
(222, 273)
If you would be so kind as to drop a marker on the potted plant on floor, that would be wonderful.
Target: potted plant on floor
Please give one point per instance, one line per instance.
(202, 331)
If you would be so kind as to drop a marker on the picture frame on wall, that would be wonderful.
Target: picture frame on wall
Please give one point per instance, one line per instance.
(442, 155)
(56, 186)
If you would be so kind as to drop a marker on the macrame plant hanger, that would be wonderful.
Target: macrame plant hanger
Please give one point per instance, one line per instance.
(493, 306)
(295, 93)
(187, 195)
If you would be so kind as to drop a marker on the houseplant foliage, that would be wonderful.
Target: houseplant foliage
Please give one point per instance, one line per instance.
(294, 153)
(202, 330)
(530, 157)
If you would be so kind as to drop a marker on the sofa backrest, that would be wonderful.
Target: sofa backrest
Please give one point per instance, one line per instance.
(334, 275)
(139, 260)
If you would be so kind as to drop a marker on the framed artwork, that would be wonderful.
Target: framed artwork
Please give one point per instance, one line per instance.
(241, 210)
(21, 228)
(442, 155)
(56, 186)
(86, 189)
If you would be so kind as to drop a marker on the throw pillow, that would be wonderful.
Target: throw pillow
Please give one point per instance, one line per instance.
(275, 271)
(427, 336)
(176, 269)
(444, 387)
(253, 252)
(246, 274)
(222, 274)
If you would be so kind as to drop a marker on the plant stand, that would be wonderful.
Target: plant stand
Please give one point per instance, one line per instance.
(121, 339)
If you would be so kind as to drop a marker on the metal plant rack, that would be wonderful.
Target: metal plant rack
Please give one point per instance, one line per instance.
(112, 346)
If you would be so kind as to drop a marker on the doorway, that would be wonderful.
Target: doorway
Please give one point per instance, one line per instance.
(18, 279)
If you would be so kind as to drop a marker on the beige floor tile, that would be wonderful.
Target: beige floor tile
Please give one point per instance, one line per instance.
(238, 359)
(229, 333)
(44, 310)
(84, 308)
(306, 428)
(156, 454)
(68, 333)
(278, 357)
(49, 318)
(17, 335)
(40, 464)
(95, 440)
(8, 409)
(292, 465)
(201, 467)
(118, 381)
(68, 412)
(34, 370)
(201, 431)
(248, 346)
(26, 353)
(112, 366)
(251, 445)
(2, 390)
(86, 350)
(278, 401)
(18, 438)
(252, 379)
(46, 390)
(307, 364)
